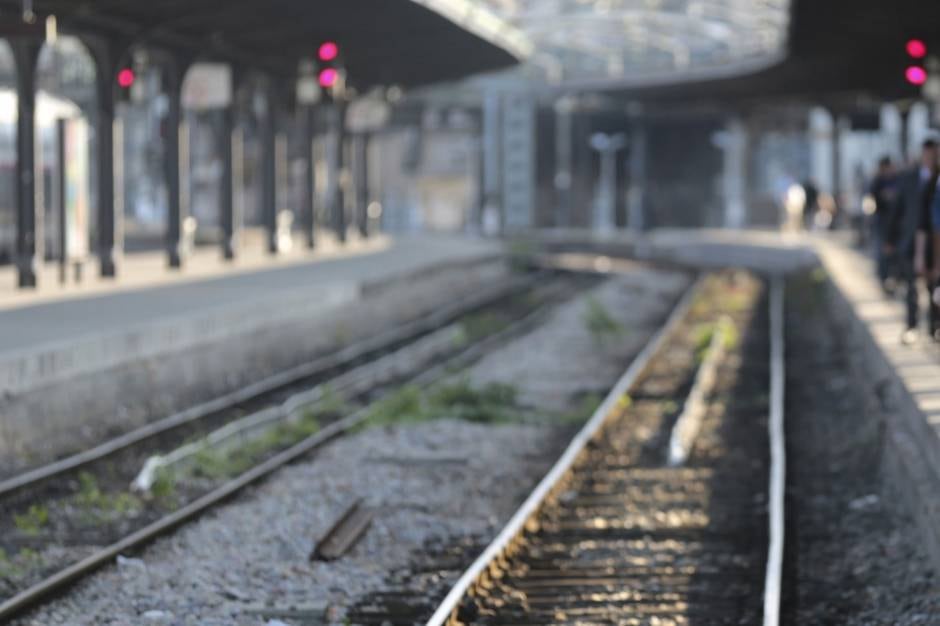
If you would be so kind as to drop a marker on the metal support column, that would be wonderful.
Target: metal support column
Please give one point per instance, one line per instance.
(337, 203)
(636, 196)
(361, 159)
(564, 155)
(175, 244)
(904, 138)
(307, 212)
(227, 191)
(518, 171)
(28, 236)
(735, 173)
(838, 124)
(105, 55)
(492, 164)
(268, 187)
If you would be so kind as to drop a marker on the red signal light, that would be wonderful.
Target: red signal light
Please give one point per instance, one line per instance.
(916, 75)
(328, 77)
(916, 48)
(125, 77)
(328, 51)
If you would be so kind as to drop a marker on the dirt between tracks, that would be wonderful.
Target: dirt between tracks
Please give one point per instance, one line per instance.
(852, 554)
(431, 482)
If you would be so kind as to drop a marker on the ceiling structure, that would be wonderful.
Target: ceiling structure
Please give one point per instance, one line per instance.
(384, 42)
(602, 43)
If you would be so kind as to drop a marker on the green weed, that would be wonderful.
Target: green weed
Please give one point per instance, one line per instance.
(222, 462)
(18, 565)
(494, 402)
(600, 323)
(521, 253)
(33, 520)
(483, 324)
(101, 504)
(586, 407)
(404, 405)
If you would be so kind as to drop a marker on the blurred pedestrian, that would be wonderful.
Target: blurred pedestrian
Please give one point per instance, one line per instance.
(812, 203)
(909, 231)
(884, 191)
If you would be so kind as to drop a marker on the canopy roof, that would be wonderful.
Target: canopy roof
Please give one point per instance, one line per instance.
(383, 42)
(585, 43)
(839, 51)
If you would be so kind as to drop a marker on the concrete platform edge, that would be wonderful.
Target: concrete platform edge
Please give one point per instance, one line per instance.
(912, 450)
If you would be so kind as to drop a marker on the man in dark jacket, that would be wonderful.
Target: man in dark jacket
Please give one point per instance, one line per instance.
(909, 231)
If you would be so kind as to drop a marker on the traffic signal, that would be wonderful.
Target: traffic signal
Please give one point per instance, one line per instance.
(330, 75)
(915, 73)
(126, 78)
(125, 81)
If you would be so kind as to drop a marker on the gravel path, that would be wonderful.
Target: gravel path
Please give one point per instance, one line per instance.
(562, 360)
(224, 568)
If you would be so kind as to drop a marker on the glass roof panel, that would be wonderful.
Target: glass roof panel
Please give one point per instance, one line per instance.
(647, 41)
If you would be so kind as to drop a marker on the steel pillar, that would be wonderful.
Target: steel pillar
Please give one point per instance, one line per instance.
(361, 160)
(636, 196)
(227, 192)
(28, 235)
(175, 245)
(106, 56)
(337, 201)
(564, 154)
(491, 214)
(735, 173)
(307, 212)
(839, 123)
(904, 139)
(268, 187)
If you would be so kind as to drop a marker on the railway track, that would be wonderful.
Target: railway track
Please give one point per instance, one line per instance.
(261, 393)
(364, 378)
(619, 531)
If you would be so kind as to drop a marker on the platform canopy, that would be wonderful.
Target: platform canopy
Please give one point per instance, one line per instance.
(596, 43)
(837, 51)
(384, 42)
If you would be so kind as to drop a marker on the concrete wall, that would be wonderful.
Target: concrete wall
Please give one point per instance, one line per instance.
(60, 398)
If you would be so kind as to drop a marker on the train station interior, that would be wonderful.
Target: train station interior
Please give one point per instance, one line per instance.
(452, 312)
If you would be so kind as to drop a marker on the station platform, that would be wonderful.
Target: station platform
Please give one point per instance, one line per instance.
(147, 292)
(77, 361)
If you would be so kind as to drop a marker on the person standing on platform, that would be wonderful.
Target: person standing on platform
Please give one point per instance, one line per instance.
(884, 190)
(909, 232)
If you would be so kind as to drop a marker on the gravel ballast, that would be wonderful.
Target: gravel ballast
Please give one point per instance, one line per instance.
(562, 359)
(853, 554)
(255, 552)
(430, 482)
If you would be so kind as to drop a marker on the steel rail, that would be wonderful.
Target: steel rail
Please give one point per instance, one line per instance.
(778, 467)
(382, 341)
(524, 513)
(44, 589)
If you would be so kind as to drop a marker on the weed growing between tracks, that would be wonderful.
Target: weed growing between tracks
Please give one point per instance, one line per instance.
(33, 520)
(600, 323)
(493, 403)
(16, 566)
(221, 462)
